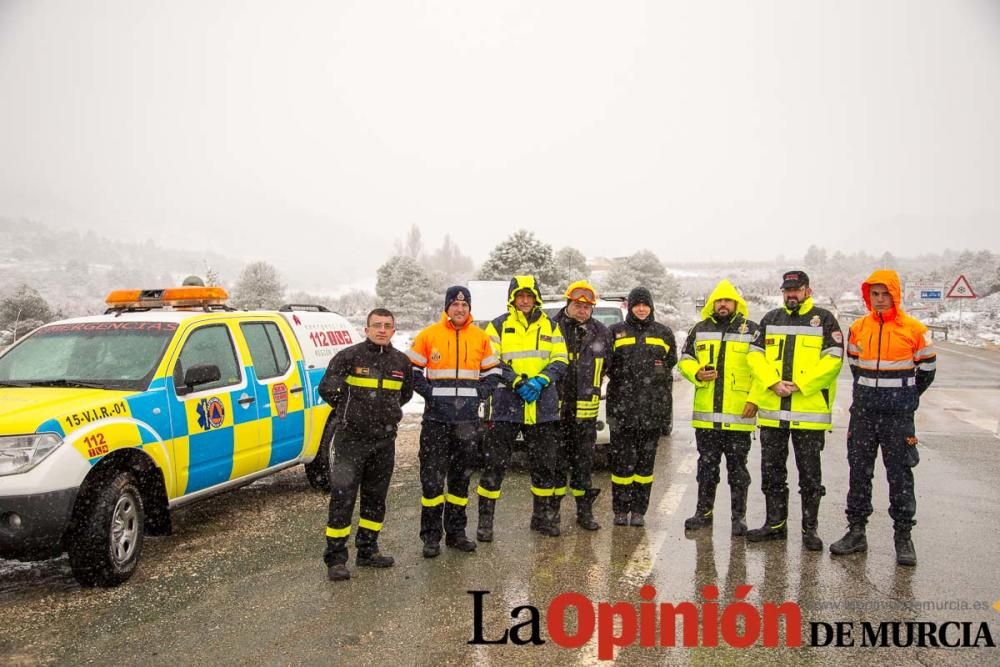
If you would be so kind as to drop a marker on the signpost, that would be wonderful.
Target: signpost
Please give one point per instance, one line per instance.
(961, 289)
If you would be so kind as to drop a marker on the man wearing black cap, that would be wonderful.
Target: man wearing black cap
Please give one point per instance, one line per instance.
(639, 404)
(804, 349)
(454, 368)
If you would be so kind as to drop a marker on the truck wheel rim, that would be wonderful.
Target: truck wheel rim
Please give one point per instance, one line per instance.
(124, 528)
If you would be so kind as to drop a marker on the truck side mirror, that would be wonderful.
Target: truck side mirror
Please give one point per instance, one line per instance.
(199, 374)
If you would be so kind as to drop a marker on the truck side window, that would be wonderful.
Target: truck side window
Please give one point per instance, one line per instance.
(209, 345)
(267, 347)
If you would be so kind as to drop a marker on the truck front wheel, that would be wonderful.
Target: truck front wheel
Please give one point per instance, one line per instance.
(105, 540)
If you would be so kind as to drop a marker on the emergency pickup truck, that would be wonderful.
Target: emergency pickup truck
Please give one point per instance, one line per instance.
(109, 422)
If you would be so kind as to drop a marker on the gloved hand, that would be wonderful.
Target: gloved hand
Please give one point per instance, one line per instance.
(528, 391)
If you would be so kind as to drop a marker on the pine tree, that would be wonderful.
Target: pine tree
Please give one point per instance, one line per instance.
(522, 254)
(404, 287)
(258, 288)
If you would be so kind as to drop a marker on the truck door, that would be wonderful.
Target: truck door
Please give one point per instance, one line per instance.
(278, 386)
(214, 424)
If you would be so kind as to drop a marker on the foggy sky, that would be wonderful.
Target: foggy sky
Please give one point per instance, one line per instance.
(318, 132)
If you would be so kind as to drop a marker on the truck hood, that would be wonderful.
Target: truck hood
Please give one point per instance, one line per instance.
(24, 410)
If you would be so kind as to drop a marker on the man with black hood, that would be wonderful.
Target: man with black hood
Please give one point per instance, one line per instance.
(640, 405)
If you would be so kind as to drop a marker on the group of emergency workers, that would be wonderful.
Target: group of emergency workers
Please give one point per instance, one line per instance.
(541, 378)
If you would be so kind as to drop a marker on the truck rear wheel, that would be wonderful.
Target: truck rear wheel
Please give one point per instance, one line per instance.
(318, 470)
(105, 540)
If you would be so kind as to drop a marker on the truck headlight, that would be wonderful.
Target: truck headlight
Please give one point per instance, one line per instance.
(21, 453)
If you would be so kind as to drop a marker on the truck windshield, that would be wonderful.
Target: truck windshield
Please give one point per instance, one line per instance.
(105, 355)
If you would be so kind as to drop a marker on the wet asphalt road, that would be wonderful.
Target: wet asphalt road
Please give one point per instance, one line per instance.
(241, 580)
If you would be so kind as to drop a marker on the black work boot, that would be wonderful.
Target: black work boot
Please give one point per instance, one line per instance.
(537, 512)
(702, 517)
(550, 510)
(853, 541)
(775, 524)
(557, 507)
(585, 510)
(637, 520)
(810, 520)
(338, 572)
(431, 549)
(459, 541)
(905, 553)
(739, 508)
(374, 559)
(621, 518)
(484, 532)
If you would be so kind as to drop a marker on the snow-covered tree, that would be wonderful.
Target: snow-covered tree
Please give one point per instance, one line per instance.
(571, 265)
(258, 288)
(404, 287)
(24, 310)
(412, 246)
(815, 258)
(448, 261)
(645, 269)
(522, 254)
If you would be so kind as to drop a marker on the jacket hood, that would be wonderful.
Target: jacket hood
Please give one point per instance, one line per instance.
(518, 283)
(724, 290)
(890, 279)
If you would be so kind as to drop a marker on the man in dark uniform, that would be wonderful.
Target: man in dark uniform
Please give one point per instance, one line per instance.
(801, 349)
(366, 385)
(640, 404)
(589, 346)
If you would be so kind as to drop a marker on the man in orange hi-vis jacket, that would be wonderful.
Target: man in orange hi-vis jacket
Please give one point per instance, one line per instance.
(893, 363)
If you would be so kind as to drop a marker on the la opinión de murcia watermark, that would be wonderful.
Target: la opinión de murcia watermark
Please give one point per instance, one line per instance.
(573, 620)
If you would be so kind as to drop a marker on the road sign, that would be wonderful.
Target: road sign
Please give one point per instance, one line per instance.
(961, 290)
(930, 294)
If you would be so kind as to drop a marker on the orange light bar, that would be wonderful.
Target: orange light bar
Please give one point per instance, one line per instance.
(171, 296)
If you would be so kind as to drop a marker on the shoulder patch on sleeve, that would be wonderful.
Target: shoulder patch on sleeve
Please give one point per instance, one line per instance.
(837, 336)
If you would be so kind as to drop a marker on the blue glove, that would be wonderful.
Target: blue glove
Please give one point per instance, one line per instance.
(528, 391)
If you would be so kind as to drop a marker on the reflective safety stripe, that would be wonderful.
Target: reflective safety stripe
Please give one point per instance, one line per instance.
(373, 383)
(486, 493)
(791, 416)
(737, 338)
(416, 357)
(658, 341)
(619, 342)
(852, 347)
(834, 352)
(722, 417)
(456, 500)
(526, 354)
(561, 491)
(778, 525)
(493, 371)
(432, 502)
(544, 493)
(927, 366)
(598, 368)
(337, 532)
(881, 365)
(887, 383)
(495, 339)
(642, 479)
(587, 409)
(577, 492)
(708, 335)
(370, 525)
(489, 361)
(624, 481)
(794, 331)
(558, 339)
(924, 353)
(451, 374)
(756, 348)
(454, 391)
(688, 357)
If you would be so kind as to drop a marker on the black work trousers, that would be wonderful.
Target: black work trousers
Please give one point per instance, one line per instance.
(890, 431)
(632, 455)
(446, 455)
(712, 444)
(808, 446)
(368, 463)
(576, 451)
(544, 460)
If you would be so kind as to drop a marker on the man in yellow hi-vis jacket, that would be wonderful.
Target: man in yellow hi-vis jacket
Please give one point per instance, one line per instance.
(716, 360)
(532, 357)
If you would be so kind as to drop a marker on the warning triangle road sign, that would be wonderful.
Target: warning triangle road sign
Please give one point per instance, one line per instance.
(961, 290)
